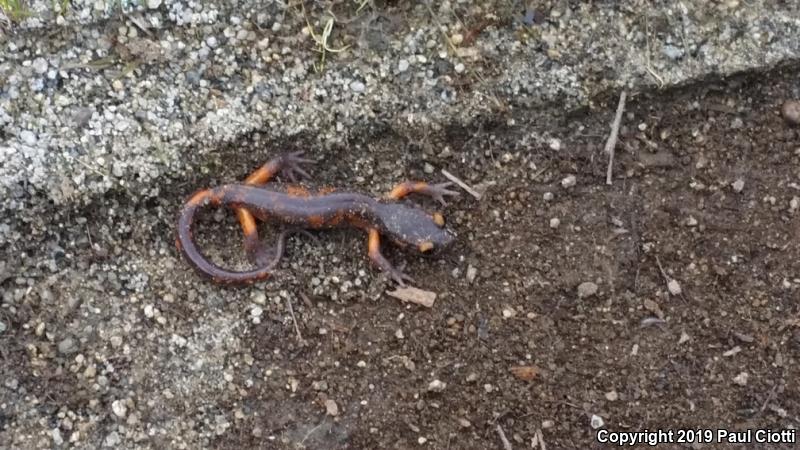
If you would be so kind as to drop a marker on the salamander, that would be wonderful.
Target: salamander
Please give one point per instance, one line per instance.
(300, 209)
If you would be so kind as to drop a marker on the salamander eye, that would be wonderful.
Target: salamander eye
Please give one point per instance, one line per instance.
(438, 219)
(426, 246)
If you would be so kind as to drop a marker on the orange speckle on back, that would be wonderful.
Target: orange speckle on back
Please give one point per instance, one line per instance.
(198, 198)
(316, 221)
(336, 219)
(297, 191)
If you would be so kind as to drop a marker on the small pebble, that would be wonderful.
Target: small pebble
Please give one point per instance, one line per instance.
(428, 168)
(555, 222)
(112, 440)
(67, 346)
(119, 408)
(2, 327)
(674, 287)
(260, 297)
(791, 112)
(741, 379)
(40, 65)
(464, 423)
(459, 68)
(569, 181)
(509, 313)
(597, 421)
(27, 137)
(691, 222)
(153, 4)
(587, 289)
(794, 203)
(57, 438)
(357, 86)
(437, 386)
(548, 196)
(402, 65)
(331, 408)
(457, 39)
(422, 440)
(472, 272)
(738, 185)
(732, 351)
(555, 144)
(612, 396)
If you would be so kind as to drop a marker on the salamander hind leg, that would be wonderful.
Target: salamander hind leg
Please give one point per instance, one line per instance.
(379, 260)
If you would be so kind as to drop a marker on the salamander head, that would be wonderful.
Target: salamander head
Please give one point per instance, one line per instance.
(409, 226)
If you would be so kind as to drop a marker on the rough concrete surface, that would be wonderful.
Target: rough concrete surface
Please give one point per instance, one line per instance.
(112, 113)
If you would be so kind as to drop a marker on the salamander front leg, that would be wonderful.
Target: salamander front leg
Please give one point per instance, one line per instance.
(380, 261)
(434, 191)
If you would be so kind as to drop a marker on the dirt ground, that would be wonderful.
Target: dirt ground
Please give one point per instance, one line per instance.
(704, 181)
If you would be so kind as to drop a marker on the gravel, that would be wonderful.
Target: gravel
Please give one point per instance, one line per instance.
(791, 111)
(587, 289)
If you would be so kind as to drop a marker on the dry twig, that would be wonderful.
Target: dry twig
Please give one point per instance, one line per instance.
(294, 320)
(503, 438)
(414, 295)
(461, 184)
(612, 138)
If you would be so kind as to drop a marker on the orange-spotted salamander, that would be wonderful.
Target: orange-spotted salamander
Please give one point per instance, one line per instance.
(404, 224)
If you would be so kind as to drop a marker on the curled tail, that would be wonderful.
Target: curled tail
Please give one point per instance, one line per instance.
(187, 246)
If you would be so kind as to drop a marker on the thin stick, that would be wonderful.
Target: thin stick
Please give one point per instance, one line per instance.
(612, 138)
(503, 439)
(661, 269)
(461, 184)
(539, 435)
(294, 320)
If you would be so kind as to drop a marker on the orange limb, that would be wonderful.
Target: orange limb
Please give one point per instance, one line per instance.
(408, 187)
(434, 191)
(374, 251)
